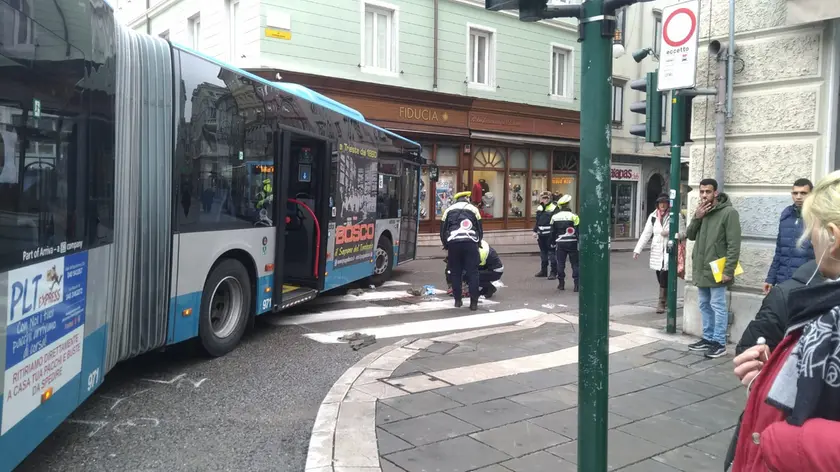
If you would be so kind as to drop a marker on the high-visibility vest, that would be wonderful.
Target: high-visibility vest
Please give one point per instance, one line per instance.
(483, 252)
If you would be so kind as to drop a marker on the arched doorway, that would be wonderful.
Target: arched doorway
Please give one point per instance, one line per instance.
(655, 187)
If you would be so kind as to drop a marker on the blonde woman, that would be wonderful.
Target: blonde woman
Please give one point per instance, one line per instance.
(657, 229)
(791, 422)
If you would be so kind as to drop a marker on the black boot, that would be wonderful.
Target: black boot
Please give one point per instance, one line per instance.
(552, 276)
(458, 303)
(541, 273)
(561, 285)
(489, 292)
(577, 286)
(473, 304)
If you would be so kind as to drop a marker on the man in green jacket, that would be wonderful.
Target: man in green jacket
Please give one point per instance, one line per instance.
(716, 232)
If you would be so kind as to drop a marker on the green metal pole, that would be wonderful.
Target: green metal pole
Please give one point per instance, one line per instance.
(595, 137)
(677, 127)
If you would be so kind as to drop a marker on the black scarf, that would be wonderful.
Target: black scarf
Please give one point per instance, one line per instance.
(808, 385)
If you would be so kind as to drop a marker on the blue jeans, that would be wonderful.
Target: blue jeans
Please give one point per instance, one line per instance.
(714, 313)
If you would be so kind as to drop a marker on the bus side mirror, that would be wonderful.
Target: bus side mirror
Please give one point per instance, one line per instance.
(434, 173)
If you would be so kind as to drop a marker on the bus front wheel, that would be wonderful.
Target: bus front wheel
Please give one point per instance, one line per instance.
(225, 307)
(383, 262)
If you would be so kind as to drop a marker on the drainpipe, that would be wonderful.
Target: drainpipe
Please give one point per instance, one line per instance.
(720, 118)
(435, 59)
(148, 21)
(730, 60)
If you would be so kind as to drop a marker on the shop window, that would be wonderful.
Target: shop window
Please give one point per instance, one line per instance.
(445, 191)
(539, 184)
(539, 160)
(518, 158)
(623, 206)
(447, 156)
(517, 195)
(489, 174)
(20, 27)
(566, 161)
(424, 193)
(620, 26)
(565, 185)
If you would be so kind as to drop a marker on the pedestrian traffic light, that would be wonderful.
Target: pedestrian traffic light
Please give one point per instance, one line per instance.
(651, 107)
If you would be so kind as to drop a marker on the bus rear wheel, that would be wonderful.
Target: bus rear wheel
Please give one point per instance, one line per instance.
(225, 307)
(383, 262)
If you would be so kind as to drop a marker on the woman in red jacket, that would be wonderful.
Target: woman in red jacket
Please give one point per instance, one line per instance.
(791, 422)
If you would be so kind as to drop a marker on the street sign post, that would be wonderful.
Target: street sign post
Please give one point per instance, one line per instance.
(678, 46)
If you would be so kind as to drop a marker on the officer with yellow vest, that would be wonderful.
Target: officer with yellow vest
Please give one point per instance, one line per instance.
(490, 269)
(461, 233)
(564, 233)
(542, 232)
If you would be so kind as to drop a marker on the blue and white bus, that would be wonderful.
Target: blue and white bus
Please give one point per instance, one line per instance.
(150, 196)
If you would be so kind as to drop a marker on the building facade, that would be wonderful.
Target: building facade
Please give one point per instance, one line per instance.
(494, 101)
(784, 125)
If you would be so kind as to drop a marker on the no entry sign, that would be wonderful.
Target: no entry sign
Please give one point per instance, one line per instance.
(678, 47)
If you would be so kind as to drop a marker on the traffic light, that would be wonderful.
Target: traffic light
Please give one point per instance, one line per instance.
(534, 10)
(686, 118)
(651, 107)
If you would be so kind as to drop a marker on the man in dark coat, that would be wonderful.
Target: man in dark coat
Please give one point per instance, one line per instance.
(772, 318)
(789, 256)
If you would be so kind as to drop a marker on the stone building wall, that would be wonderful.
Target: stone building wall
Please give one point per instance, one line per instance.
(781, 130)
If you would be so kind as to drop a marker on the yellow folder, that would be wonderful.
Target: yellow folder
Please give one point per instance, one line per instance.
(717, 269)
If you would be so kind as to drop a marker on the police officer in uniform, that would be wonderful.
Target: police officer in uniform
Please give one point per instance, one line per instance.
(490, 269)
(542, 232)
(564, 233)
(461, 233)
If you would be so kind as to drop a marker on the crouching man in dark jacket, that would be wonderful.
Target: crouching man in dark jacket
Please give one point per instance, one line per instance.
(490, 269)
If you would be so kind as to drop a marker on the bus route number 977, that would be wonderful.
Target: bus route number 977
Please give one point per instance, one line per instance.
(93, 379)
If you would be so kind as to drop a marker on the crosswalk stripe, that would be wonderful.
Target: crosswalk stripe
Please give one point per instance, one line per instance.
(363, 312)
(366, 297)
(432, 326)
(394, 283)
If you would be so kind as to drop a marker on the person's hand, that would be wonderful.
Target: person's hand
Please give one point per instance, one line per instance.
(726, 279)
(749, 363)
(702, 210)
(535, 235)
(635, 255)
(664, 233)
(767, 288)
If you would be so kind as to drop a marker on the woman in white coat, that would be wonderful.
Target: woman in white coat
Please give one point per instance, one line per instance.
(657, 228)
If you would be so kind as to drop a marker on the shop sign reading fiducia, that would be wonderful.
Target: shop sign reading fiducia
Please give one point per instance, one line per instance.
(423, 114)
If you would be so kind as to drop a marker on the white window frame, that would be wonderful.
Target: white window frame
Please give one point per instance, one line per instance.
(393, 52)
(490, 60)
(618, 84)
(233, 24)
(569, 78)
(194, 31)
(20, 20)
(657, 31)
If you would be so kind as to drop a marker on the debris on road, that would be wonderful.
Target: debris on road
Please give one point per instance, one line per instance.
(549, 306)
(358, 340)
(356, 292)
(414, 291)
(428, 290)
(498, 284)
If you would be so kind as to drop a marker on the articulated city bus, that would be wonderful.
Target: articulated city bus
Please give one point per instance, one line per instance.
(150, 196)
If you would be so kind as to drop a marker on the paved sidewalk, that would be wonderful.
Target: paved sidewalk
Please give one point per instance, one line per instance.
(508, 402)
(435, 252)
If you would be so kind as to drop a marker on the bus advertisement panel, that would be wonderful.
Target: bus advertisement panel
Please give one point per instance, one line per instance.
(356, 202)
(45, 328)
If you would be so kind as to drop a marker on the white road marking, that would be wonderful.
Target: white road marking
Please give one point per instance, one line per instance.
(432, 326)
(518, 365)
(363, 312)
(366, 297)
(395, 283)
